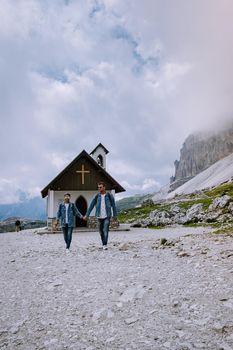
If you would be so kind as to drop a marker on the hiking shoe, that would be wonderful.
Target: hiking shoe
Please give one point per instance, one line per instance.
(105, 247)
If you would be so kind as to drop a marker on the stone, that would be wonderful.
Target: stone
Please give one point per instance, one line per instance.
(168, 345)
(194, 212)
(153, 213)
(130, 294)
(230, 207)
(220, 202)
(162, 218)
(97, 315)
(131, 320)
(163, 241)
(146, 222)
(124, 247)
(110, 314)
(120, 305)
(182, 254)
(152, 312)
(175, 209)
(57, 284)
(136, 223)
(14, 329)
(213, 216)
(147, 202)
(175, 303)
(180, 218)
(110, 340)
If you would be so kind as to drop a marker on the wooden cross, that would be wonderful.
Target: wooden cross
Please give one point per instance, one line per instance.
(82, 172)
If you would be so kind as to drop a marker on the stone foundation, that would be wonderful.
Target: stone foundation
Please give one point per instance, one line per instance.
(92, 223)
(52, 225)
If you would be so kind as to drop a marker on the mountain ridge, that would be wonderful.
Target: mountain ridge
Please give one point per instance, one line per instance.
(33, 208)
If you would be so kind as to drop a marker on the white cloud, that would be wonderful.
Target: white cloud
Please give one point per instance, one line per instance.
(148, 185)
(8, 191)
(58, 162)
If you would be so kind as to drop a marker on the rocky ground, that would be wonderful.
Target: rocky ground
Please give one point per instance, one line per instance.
(139, 294)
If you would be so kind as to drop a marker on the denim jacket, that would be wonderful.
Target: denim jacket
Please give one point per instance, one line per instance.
(72, 211)
(109, 203)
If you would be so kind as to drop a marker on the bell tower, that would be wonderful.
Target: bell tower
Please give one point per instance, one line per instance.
(99, 155)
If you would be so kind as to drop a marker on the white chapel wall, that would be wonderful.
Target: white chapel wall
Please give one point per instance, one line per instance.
(59, 195)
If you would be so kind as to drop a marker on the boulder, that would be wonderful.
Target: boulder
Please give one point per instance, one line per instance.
(180, 218)
(225, 218)
(147, 202)
(230, 208)
(220, 202)
(153, 213)
(146, 222)
(136, 223)
(195, 213)
(213, 216)
(175, 209)
(161, 219)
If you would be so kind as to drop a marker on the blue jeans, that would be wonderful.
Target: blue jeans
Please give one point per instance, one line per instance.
(67, 231)
(103, 229)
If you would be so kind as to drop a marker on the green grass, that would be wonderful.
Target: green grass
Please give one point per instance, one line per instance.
(203, 224)
(140, 213)
(219, 191)
(226, 230)
(152, 227)
(137, 213)
(188, 204)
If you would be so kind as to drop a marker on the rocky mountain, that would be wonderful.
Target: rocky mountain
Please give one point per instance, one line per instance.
(199, 152)
(216, 174)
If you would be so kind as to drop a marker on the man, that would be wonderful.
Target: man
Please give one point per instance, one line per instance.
(66, 212)
(105, 204)
(17, 225)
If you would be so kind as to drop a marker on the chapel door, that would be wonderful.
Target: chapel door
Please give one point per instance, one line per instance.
(81, 204)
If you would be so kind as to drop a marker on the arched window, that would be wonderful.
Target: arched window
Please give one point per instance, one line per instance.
(100, 160)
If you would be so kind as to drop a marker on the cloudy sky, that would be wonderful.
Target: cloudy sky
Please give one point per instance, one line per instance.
(138, 76)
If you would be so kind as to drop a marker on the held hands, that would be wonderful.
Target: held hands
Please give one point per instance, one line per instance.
(85, 218)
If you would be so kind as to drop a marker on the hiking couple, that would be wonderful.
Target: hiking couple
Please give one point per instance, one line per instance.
(105, 205)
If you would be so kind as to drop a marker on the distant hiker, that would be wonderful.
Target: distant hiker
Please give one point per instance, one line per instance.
(105, 204)
(17, 226)
(66, 213)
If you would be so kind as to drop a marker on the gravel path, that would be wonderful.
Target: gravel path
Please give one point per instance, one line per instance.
(137, 295)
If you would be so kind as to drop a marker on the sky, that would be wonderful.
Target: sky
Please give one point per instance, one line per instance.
(137, 76)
